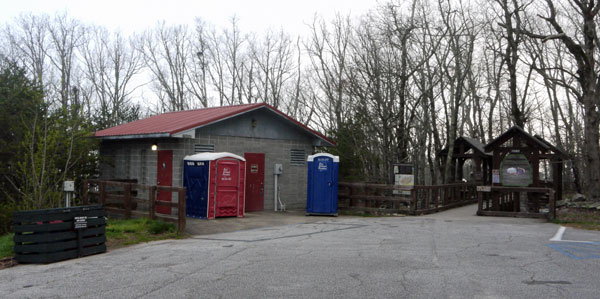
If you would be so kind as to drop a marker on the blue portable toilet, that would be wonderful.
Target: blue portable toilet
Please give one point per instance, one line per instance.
(322, 185)
(196, 175)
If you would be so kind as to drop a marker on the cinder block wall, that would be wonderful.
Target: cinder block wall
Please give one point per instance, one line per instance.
(293, 180)
(134, 159)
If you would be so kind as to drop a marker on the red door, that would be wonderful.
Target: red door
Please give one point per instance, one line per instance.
(255, 181)
(164, 177)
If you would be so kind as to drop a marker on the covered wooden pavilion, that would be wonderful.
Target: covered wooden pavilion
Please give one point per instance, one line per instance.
(515, 175)
(466, 148)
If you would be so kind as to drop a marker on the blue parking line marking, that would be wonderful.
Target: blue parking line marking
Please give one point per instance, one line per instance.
(578, 251)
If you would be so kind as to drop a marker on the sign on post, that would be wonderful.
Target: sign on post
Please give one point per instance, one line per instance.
(80, 222)
(403, 176)
(484, 188)
(69, 186)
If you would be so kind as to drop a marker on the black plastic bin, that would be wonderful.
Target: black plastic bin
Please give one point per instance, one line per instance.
(51, 235)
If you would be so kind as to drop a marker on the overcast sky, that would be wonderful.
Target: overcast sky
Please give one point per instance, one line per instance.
(129, 16)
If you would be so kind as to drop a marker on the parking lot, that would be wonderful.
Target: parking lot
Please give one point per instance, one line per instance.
(447, 255)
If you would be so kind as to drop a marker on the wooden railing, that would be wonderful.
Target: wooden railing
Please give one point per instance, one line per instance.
(414, 200)
(506, 201)
(123, 198)
(436, 198)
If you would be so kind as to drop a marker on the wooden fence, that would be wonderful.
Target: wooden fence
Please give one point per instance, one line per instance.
(506, 201)
(415, 200)
(123, 198)
(51, 235)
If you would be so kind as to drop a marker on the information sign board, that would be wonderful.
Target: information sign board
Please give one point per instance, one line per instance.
(515, 171)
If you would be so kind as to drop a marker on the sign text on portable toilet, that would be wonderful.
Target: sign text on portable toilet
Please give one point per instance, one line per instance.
(322, 184)
(322, 166)
(226, 174)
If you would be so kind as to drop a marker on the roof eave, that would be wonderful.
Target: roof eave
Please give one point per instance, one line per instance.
(134, 136)
(518, 129)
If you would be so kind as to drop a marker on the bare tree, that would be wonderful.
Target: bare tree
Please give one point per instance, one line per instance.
(511, 12)
(198, 67)
(111, 63)
(166, 51)
(234, 60)
(327, 48)
(274, 58)
(494, 64)
(584, 51)
(29, 43)
(462, 32)
(227, 62)
(66, 35)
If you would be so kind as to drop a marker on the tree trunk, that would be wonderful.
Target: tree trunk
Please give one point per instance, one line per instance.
(591, 147)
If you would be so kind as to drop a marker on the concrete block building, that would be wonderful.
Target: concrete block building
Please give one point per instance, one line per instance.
(151, 151)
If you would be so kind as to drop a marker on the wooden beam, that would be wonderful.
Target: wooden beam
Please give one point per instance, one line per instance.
(511, 214)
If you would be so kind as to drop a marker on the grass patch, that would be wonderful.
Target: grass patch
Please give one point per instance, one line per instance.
(578, 218)
(121, 233)
(6, 246)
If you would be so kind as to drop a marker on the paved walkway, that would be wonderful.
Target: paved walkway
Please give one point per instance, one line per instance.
(447, 255)
(251, 220)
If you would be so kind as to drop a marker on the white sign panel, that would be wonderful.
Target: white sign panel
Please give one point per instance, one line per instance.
(404, 180)
(484, 188)
(69, 186)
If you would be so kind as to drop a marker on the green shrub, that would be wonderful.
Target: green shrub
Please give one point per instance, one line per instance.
(6, 212)
(159, 227)
(6, 246)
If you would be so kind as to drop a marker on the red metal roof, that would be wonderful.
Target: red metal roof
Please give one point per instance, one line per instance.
(167, 124)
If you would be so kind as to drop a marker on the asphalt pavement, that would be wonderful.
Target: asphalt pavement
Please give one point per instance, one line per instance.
(453, 254)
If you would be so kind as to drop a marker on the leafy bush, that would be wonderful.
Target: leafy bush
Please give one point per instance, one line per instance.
(6, 245)
(159, 227)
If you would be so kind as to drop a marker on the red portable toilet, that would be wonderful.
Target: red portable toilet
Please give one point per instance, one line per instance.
(226, 183)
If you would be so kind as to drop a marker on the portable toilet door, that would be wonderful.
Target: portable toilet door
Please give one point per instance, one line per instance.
(322, 184)
(196, 175)
(229, 185)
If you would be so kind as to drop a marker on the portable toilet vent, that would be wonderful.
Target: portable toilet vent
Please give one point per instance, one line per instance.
(322, 185)
(215, 185)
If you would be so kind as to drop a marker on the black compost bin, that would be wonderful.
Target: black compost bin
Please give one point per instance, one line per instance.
(51, 235)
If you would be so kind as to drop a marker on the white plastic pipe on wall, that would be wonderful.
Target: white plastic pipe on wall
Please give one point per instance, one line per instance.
(275, 193)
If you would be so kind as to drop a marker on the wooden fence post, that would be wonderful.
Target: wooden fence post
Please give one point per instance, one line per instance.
(479, 202)
(102, 198)
(552, 204)
(427, 195)
(85, 193)
(151, 199)
(413, 201)
(181, 210)
(127, 194)
(349, 200)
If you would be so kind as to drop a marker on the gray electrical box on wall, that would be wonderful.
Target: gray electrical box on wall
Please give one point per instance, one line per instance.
(278, 169)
